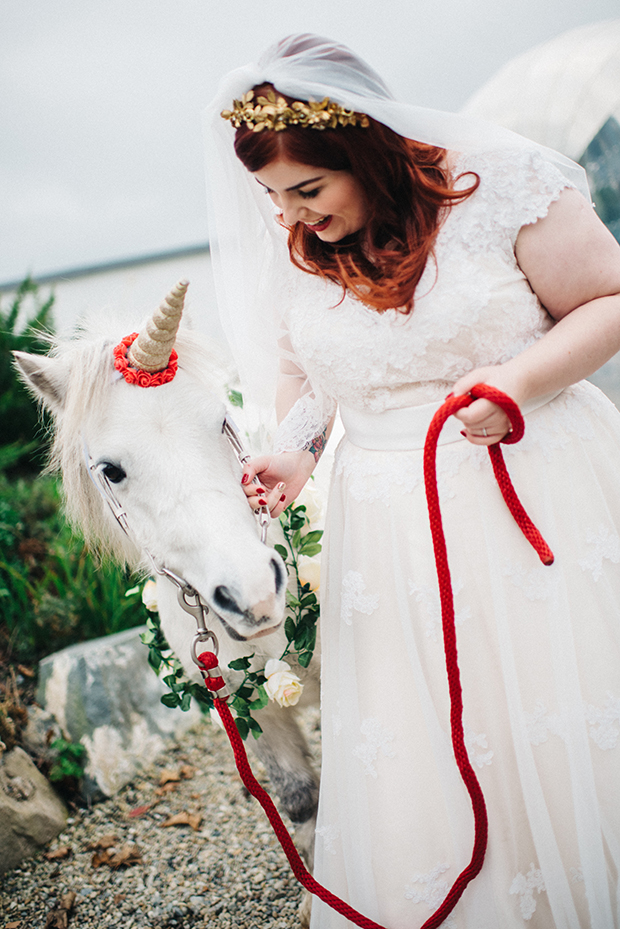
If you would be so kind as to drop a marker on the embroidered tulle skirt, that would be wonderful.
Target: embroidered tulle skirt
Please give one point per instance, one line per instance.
(539, 653)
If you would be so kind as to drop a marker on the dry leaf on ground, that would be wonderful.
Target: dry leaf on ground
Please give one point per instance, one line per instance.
(184, 819)
(169, 787)
(195, 820)
(58, 918)
(65, 851)
(106, 841)
(125, 857)
(168, 775)
(141, 810)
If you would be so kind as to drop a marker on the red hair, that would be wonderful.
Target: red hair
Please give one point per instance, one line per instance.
(407, 188)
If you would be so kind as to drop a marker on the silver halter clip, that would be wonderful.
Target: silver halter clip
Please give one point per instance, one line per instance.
(232, 434)
(198, 610)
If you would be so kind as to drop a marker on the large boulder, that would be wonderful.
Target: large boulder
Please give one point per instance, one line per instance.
(105, 695)
(30, 812)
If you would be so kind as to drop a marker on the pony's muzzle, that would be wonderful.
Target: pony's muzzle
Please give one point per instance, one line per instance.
(253, 619)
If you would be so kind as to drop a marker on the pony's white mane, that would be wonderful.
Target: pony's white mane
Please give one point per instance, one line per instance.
(88, 359)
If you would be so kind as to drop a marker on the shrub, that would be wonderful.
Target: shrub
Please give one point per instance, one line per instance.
(52, 592)
(23, 327)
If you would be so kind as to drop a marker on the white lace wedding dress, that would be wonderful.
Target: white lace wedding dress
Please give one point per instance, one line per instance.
(539, 647)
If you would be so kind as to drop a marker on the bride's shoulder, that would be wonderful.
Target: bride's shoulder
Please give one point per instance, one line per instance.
(506, 170)
(516, 186)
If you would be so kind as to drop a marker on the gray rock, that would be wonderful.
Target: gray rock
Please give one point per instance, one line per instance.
(105, 695)
(41, 730)
(30, 812)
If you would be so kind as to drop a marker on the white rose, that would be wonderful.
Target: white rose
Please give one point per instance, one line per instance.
(309, 570)
(149, 596)
(312, 499)
(282, 684)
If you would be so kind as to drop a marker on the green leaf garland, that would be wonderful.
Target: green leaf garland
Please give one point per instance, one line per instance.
(300, 628)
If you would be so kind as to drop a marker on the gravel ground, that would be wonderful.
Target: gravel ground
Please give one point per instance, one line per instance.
(222, 869)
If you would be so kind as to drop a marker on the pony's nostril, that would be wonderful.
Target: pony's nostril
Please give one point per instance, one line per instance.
(279, 574)
(224, 599)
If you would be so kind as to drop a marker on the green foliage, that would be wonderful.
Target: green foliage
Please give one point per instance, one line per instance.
(52, 592)
(235, 398)
(22, 442)
(161, 657)
(300, 627)
(250, 696)
(304, 608)
(69, 761)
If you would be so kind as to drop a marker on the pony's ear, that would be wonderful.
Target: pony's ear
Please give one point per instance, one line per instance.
(45, 377)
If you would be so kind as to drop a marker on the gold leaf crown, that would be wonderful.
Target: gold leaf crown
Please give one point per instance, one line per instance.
(273, 112)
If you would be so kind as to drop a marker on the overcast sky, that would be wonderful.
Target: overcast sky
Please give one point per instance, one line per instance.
(100, 101)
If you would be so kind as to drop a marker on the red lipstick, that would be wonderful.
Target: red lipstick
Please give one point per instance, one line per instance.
(320, 227)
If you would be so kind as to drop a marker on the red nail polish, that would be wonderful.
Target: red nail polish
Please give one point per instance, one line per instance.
(260, 490)
(262, 502)
(463, 433)
(282, 498)
(245, 478)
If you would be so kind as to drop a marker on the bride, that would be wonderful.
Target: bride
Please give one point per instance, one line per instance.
(373, 257)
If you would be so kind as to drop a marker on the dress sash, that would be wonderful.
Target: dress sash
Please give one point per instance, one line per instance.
(405, 429)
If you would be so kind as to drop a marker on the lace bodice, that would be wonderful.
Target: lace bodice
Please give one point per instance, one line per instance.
(473, 305)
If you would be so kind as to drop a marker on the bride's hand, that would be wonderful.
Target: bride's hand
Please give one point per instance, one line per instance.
(484, 422)
(281, 478)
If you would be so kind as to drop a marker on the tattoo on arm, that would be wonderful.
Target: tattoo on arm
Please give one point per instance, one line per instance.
(317, 446)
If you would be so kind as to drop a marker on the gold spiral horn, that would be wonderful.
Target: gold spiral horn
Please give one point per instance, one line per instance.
(151, 349)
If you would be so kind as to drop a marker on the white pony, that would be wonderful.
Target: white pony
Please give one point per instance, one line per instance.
(162, 451)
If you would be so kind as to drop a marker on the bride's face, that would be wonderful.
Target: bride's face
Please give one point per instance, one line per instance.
(330, 203)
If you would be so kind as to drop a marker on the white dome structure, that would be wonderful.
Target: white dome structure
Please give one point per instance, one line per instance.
(560, 93)
(566, 94)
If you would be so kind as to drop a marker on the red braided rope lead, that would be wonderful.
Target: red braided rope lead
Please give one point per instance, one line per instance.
(513, 503)
(449, 408)
(299, 869)
(212, 675)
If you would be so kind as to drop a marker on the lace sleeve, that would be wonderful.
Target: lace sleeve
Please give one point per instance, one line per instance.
(516, 188)
(308, 418)
(538, 184)
(303, 410)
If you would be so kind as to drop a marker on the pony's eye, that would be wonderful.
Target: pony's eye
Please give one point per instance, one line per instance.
(113, 473)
